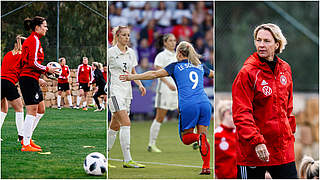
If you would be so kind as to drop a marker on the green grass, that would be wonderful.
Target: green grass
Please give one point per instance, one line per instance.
(173, 152)
(61, 132)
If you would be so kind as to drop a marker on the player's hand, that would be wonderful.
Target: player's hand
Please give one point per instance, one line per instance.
(126, 77)
(262, 152)
(142, 90)
(43, 83)
(172, 87)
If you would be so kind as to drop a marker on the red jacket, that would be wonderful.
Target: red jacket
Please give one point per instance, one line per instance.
(10, 67)
(225, 152)
(32, 57)
(104, 73)
(84, 73)
(262, 106)
(64, 77)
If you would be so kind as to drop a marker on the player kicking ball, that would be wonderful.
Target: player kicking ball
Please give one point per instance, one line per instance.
(194, 105)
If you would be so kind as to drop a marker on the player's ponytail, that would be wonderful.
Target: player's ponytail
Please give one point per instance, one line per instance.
(32, 23)
(309, 168)
(115, 32)
(100, 66)
(187, 50)
(18, 45)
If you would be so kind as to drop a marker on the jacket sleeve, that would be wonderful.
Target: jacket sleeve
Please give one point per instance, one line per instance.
(291, 118)
(242, 109)
(33, 55)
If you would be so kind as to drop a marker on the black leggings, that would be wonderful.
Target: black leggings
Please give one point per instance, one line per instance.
(96, 96)
(284, 171)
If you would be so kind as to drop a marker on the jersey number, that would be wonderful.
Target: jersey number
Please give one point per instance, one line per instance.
(124, 67)
(193, 76)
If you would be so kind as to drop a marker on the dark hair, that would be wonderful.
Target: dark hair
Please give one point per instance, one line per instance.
(32, 23)
(159, 44)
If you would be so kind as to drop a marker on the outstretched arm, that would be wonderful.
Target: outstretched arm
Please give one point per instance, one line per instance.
(144, 76)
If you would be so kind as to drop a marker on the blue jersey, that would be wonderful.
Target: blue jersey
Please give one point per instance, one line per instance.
(189, 81)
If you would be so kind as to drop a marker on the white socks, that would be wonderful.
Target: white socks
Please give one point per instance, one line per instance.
(84, 104)
(112, 136)
(38, 117)
(78, 100)
(154, 131)
(20, 122)
(125, 142)
(27, 129)
(59, 100)
(3, 116)
(93, 102)
(69, 100)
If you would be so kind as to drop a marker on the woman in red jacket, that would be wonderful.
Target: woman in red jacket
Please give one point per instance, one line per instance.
(262, 107)
(63, 83)
(31, 58)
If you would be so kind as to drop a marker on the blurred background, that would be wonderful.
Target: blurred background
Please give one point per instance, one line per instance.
(81, 28)
(299, 22)
(188, 20)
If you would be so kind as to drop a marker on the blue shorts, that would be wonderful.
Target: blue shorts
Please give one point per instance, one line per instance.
(194, 114)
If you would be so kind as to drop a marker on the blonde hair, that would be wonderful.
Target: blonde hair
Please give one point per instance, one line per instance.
(222, 107)
(276, 33)
(115, 32)
(309, 168)
(97, 65)
(187, 50)
(18, 46)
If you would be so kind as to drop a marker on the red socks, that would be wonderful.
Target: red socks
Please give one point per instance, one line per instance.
(190, 138)
(206, 159)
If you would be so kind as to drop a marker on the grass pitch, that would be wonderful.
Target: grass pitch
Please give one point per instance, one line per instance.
(61, 132)
(176, 161)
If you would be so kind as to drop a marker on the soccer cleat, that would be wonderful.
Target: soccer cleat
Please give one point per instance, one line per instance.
(59, 107)
(29, 148)
(91, 105)
(76, 107)
(132, 164)
(71, 107)
(154, 148)
(203, 145)
(195, 145)
(111, 166)
(205, 171)
(32, 144)
(85, 109)
(98, 110)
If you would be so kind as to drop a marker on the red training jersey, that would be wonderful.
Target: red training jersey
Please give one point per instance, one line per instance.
(261, 109)
(104, 73)
(32, 57)
(84, 73)
(10, 67)
(225, 152)
(65, 74)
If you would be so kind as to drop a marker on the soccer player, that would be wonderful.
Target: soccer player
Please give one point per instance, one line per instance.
(100, 83)
(63, 83)
(31, 68)
(84, 77)
(9, 90)
(166, 93)
(122, 59)
(262, 96)
(194, 105)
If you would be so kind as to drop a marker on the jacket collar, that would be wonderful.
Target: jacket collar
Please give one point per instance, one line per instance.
(255, 61)
(36, 34)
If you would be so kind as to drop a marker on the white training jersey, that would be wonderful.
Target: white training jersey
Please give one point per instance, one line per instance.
(163, 59)
(118, 64)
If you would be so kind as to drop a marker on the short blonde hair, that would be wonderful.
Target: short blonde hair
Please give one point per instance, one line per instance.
(222, 107)
(276, 33)
(187, 50)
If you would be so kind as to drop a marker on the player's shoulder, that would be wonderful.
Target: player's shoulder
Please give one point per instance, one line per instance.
(130, 51)
(112, 50)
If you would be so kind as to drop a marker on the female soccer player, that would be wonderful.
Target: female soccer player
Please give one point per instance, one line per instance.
(166, 93)
(84, 77)
(100, 83)
(63, 83)
(9, 90)
(194, 105)
(122, 59)
(31, 69)
(262, 106)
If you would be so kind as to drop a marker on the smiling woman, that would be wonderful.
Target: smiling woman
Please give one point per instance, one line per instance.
(262, 107)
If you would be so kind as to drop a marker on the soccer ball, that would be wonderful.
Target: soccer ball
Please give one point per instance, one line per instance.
(58, 71)
(95, 164)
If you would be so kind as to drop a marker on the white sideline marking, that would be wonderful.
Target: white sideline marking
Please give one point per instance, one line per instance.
(158, 163)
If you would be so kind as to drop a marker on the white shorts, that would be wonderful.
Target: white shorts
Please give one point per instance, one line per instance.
(117, 104)
(166, 101)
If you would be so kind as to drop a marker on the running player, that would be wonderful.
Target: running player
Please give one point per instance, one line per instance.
(63, 83)
(9, 90)
(122, 59)
(84, 77)
(166, 94)
(100, 84)
(31, 58)
(194, 105)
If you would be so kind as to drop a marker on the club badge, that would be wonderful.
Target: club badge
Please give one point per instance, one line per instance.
(224, 145)
(283, 80)
(267, 90)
